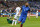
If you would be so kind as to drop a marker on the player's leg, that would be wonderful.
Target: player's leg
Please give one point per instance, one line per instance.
(36, 15)
(15, 18)
(23, 20)
(21, 25)
(20, 19)
(13, 22)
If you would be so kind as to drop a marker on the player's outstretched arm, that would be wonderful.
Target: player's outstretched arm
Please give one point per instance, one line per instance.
(29, 16)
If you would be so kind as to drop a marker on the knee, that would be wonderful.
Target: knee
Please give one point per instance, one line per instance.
(23, 21)
(19, 21)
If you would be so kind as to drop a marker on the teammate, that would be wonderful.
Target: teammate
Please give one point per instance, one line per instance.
(37, 13)
(15, 18)
(25, 9)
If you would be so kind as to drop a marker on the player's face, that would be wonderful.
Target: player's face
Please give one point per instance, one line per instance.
(26, 4)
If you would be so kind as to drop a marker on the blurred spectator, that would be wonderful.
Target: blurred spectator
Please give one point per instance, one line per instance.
(12, 10)
(7, 9)
(3, 11)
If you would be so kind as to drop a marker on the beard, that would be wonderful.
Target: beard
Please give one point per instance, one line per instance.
(26, 5)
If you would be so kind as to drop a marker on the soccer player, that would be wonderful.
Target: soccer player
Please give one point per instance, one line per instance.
(15, 18)
(37, 13)
(25, 9)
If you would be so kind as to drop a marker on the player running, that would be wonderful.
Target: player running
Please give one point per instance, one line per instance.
(15, 18)
(37, 13)
(25, 9)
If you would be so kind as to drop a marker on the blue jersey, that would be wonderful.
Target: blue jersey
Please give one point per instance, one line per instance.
(25, 11)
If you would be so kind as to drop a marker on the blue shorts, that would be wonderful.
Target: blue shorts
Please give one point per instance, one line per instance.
(22, 19)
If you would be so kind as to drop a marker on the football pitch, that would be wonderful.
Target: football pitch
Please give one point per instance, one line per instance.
(33, 22)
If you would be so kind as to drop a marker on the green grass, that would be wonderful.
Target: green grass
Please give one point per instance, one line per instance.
(33, 22)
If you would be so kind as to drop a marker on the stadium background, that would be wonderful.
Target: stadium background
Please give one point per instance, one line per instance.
(7, 5)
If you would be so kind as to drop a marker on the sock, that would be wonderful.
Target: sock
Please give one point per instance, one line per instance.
(13, 22)
(21, 25)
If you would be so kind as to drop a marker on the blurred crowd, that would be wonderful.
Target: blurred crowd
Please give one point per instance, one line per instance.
(35, 5)
(13, 4)
(7, 12)
(10, 6)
